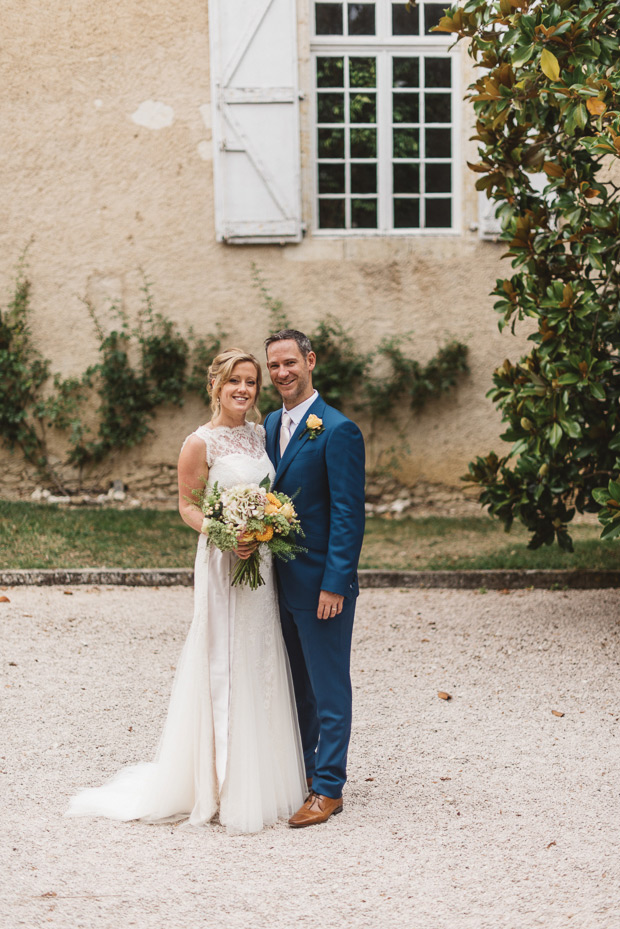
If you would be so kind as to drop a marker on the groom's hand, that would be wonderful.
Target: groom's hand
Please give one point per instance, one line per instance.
(329, 605)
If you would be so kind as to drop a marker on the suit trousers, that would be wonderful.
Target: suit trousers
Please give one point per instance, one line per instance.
(319, 652)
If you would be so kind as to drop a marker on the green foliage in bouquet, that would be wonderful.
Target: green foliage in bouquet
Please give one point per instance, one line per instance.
(547, 102)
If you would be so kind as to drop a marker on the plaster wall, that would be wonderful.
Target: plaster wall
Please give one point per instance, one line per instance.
(107, 166)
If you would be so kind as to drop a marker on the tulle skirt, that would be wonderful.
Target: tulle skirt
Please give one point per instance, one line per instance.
(230, 743)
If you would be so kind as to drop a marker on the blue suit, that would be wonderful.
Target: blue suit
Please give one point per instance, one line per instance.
(326, 476)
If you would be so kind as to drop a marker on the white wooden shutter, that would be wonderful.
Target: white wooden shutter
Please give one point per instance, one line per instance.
(255, 120)
(489, 226)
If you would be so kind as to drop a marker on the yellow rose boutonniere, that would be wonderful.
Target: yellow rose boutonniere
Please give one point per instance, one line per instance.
(314, 427)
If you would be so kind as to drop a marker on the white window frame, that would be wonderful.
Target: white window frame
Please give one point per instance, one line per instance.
(383, 46)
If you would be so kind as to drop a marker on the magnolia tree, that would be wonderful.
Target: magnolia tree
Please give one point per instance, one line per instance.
(548, 100)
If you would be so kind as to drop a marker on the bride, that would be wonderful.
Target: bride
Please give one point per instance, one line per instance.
(230, 742)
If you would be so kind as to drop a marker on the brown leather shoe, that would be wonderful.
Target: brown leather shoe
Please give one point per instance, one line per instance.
(316, 809)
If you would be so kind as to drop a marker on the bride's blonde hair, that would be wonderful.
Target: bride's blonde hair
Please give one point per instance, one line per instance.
(220, 372)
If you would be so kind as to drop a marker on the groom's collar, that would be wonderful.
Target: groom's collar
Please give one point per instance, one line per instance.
(298, 412)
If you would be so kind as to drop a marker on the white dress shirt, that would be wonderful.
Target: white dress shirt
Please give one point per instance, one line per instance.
(298, 412)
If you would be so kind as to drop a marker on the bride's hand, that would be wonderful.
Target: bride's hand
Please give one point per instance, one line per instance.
(245, 549)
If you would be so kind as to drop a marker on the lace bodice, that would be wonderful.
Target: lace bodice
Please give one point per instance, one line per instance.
(236, 455)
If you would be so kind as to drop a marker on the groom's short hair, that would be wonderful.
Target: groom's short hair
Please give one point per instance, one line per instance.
(292, 335)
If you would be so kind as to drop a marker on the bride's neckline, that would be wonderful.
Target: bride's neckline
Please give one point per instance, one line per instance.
(210, 428)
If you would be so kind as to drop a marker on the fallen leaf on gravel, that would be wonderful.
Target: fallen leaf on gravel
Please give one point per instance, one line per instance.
(13, 664)
(506, 590)
(424, 640)
(50, 893)
(443, 695)
(68, 593)
(370, 778)
(445, 778)
(4, 600)
(557, 713)
(551, 843)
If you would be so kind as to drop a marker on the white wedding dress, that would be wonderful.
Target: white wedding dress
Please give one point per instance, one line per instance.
(231, 739)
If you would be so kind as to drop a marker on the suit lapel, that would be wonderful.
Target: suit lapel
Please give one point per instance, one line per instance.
(296, 443)
(273, 431)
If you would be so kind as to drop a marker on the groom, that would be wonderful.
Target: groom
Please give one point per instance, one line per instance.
(318, 455)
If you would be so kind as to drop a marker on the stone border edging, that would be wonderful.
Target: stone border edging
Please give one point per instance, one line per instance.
(459, 580)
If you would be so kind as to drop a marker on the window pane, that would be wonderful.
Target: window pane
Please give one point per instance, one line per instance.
(364, 179)
(328, 18)
(406, 143)
(406, 179)
(406, 72)
(406, 108)
(406, 213)
(363, 143)
(364, 214)
(361, 18)
(439, 214)
(437, 72)
(362, 72)
(329, 72)
(432, 14)
(330, 108)
(363, 108)
(331, 214)
(331, 143)
(438, 179)
(405, 21)
(438, 143)
(437, 108)
(331, 179)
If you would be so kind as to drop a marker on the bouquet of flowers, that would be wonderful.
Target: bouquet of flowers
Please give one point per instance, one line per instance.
(247, 513)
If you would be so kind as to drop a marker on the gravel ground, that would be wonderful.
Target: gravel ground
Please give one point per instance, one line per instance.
(481, 812)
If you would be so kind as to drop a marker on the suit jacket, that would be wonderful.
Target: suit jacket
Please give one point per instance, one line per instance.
(326, 476)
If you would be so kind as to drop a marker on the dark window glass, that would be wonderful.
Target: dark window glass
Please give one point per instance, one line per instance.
(364, 214)
(439, 214)
(438, 179)
(405, 108)
(406, 179)
(361, 18)
(405, 21)
(363, 179)
(437, 108)
(438, 143)
(406, 143)
(331, 179)
(329, 72)
(331, 214)
(328, 18)
(363, 108)
(406, 72)
(331, 143)
(363, 143)
(437, 72)
(330, 108)
(406, 213)
(432, 14)
(362, 72)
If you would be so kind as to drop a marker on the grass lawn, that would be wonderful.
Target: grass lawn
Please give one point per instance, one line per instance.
(43, 536)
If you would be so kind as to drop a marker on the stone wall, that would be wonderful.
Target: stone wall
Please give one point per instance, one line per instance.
(107, 163)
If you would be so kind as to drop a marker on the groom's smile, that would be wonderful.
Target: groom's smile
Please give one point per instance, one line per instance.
(290, 372)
